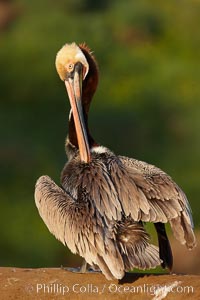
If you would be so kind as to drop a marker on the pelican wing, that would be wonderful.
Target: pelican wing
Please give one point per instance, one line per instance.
(79, 226)
(150, 195)
(54, 204)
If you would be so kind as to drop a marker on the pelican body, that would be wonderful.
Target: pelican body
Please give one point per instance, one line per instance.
(104, 199)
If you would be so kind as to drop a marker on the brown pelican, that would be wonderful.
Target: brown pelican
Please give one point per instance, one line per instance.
(104, 199)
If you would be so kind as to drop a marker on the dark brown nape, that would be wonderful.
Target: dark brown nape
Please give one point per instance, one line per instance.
(91, 81)
(88, 89)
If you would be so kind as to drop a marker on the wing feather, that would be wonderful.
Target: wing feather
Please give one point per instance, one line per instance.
(164, 200)
(78, 224)
(54, 204)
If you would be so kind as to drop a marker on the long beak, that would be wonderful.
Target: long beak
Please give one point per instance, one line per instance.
(74, 90)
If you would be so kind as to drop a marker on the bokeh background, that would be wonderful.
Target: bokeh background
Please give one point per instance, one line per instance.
(147, 105)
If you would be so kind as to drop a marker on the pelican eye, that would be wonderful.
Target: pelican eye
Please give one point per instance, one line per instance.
(70, 67)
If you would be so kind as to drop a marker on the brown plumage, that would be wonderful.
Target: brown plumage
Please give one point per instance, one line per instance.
(99, 210)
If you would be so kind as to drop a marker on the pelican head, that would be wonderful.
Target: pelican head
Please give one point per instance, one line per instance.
(68, 58)
(72, 67)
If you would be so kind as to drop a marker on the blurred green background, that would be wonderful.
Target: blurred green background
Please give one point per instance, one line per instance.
(147, 105)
